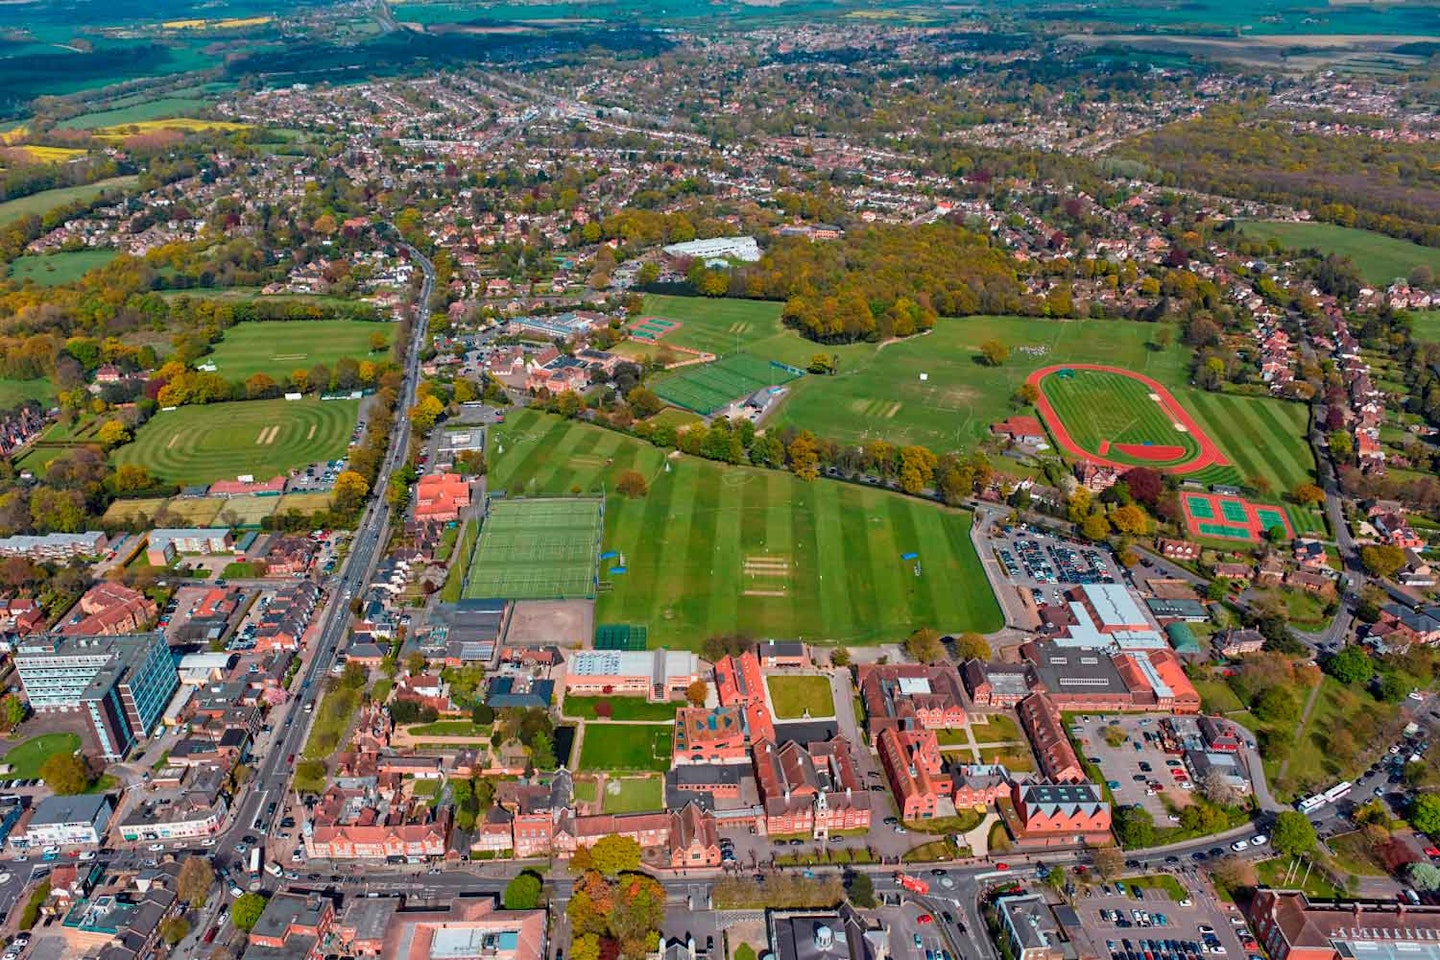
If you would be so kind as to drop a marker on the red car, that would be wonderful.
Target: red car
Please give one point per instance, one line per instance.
(924, 918)
(1002, 866)
(1432, 851)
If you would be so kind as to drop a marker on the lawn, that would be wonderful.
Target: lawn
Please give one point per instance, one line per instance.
(1380, 258)
(1426, 325)
(1014, 759)
(46, 200)
(714, 326)
(263, 438)
(796, 697)
(278, 347)
(998, 728)
(27, 758)
(717, 549)
(15, 392)
(451, 728)
(1356, 854)
(53, 269)
(633, 794)
(1217, 697)
(614, 746)
(1276, 873)
(622, 708)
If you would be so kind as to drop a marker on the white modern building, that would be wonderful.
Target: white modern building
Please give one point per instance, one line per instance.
(69, 821)
(745, 249)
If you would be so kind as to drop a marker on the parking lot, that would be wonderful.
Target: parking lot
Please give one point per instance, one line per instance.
(1138, 770)
(1047, 562)
(1144, 923)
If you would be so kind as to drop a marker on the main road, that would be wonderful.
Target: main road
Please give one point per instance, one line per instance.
(272, 779)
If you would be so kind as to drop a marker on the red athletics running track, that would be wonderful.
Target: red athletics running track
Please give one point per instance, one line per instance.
(1209, 454)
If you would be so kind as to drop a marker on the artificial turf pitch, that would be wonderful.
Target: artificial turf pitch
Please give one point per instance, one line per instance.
(541, 549)
(716, 549)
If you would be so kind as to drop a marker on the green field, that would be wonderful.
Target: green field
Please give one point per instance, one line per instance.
(611, 746)
(53, 269)
(878, 393)
(714, 326)
(161, 109)
(262, 438)
(1262, 438)
(792, 697)
(621, 708)
(1102, 410)
(47, 200)
(708, 387)
(1426, 325)
(633, 794)
(15, 392)
(278, 347)
(1379, 258)
(540, 549)
(717, 549)
(25, 759)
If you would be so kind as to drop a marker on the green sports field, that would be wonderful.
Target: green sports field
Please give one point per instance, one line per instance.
(220, 441)
(1379, 258)
(53, 269)
(715, 326)
(707, 387)
(628, 746)
(879, 394)
(1106, 412)
(1260, 437)
(279, 347)
(716, 549)
(543, 549)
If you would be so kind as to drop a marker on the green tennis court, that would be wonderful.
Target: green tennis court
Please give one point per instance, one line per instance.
(1234, 511)
(1199, 507)
(1237, 519)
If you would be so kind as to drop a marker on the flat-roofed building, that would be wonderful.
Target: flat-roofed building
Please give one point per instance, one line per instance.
(656, 675)
(1293, 928)
(468, 930)
(69, 821)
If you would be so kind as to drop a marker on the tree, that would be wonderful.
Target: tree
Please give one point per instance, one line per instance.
(1425, 813)
(586, 946)
(1095, 527)
(1278, 704)
(644, 402)
(1130, 519)
(924, 646)
(542, 752)
(195, 880)
(971, 646)
(840, 657)
(804, 456)
(1027, 393)
(994, 352)
(245, 911)
(614, 854)
(696, 693)
(174, 929)
(1382, 561)
(1424, 876)
(350, 490)
(1134, 827)
(112, 433)
(1293, 834)
(66, 774)
(12, 711)
(917, 469)
(1341, 446)
(632, 485)
(862, 891)
(378, 342)
(1109, 862)
(1350, 665)
(523, 892)
(1236, 873)
(1308, 494)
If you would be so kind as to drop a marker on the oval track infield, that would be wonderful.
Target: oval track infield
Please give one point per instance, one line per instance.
(1120, 418)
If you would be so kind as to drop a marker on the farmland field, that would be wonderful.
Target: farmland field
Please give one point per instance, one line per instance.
(53, 269)
(137, 112)
(263, 438)
(278, 347)
(47, 200)
(1379, 258)
(184, 124)
(717, 549)
(715, 326)
(1427, 325)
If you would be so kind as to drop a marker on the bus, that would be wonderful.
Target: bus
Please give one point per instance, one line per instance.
(1311, 804)
(1339, 791)
(255, 863)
